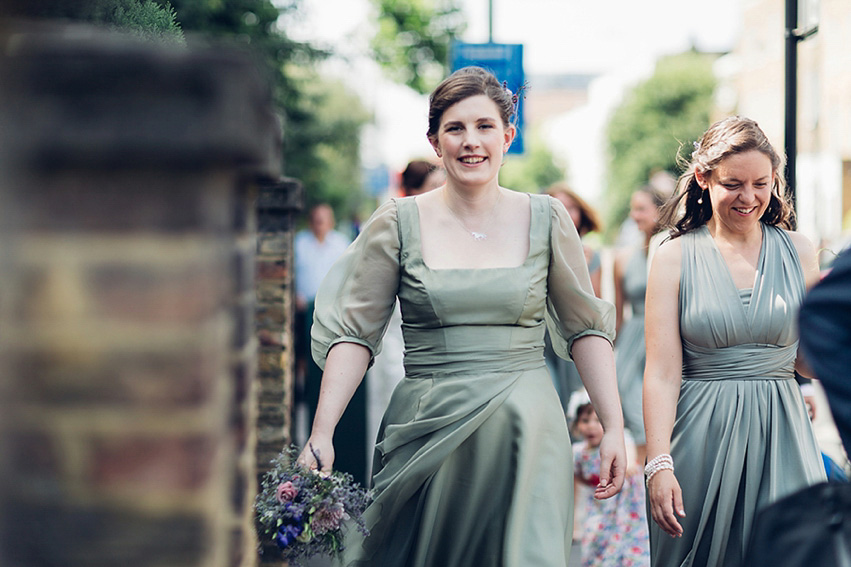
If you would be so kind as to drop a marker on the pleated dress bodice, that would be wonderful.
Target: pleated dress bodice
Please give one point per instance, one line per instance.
(470, 320)
(725, 338)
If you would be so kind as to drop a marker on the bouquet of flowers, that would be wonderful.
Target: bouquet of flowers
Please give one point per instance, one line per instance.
(306, 513)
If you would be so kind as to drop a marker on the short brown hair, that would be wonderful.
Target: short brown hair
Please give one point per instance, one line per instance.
(462, 84)
(415, 174)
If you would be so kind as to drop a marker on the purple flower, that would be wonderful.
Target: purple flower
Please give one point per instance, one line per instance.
(287, 533)
(303, 512)
(328, 518)
(286, 492)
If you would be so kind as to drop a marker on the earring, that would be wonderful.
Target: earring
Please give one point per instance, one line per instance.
(700, 199)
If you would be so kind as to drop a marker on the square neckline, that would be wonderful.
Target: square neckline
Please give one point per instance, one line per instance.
(419, 247)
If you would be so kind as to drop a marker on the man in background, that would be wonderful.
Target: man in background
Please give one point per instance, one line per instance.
(316, 249)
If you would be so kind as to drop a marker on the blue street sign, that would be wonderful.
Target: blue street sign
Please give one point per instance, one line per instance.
(502, 59)
(376, 180)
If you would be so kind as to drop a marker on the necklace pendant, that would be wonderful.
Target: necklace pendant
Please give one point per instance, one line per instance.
(479, 235)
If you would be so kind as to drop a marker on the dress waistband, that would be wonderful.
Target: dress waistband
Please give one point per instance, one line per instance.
(740, 362)
(456, 350)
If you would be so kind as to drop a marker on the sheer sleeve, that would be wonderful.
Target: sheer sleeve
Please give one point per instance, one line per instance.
(573, 310)
(356, 299)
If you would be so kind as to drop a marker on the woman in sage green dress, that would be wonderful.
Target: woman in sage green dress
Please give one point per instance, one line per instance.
(630, 283)
(473, 460)
(721, 405)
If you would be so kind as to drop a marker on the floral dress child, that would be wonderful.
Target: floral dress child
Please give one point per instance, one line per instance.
(613, 532)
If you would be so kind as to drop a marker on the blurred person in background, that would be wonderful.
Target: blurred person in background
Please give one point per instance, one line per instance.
(612, 532)
(630, 284)
(420, 176)
(316, 248)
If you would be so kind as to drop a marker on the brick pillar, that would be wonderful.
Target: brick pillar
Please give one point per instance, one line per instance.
(127, 347)
(277, 207)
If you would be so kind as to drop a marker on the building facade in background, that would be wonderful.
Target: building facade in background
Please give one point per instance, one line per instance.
(752, 83)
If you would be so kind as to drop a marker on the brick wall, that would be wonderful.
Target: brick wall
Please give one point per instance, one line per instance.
(277, 207)
(127, 304)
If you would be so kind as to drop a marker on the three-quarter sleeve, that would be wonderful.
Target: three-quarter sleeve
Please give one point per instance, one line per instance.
(573, 310)
(357, 297)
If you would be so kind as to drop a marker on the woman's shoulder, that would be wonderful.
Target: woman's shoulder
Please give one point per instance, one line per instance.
(555, 207)
(389, 210)
(802, 244)
(385, 218)
(807, 256)
(799, 240)
(670, 252)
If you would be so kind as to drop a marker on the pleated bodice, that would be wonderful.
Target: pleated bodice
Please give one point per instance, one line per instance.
(726, 338)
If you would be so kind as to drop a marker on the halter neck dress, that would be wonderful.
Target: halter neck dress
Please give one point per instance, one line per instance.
(742, 438)
(473, 463)
(630, 349)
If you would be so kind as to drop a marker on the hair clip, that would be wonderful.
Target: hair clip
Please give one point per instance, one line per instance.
(696, 145)
(515, 98)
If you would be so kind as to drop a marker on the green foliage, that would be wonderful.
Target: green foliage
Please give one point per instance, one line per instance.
(330, 170)
(658, 120)
(321, 121)
(533, 171)
(413, 39)
(144, 18)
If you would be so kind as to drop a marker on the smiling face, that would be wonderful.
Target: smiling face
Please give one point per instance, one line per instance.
(471, 141)
(739, 189)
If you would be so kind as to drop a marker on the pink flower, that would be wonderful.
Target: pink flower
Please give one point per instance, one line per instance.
(286, 492)
(328, 518)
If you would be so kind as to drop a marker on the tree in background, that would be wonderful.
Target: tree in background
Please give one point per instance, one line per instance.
(321, 119)
(143, 18)
(533, 171)
(333, 162)
(658, 120)
(413, 39)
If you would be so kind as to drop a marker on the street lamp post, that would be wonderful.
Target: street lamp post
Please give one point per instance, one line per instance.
(793, 36)
(490, 21)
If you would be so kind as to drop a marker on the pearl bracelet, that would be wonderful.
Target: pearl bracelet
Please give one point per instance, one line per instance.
(660, 463)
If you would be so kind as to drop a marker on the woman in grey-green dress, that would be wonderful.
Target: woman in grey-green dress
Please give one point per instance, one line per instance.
(473, 461)
(727, 428)
(630, 279)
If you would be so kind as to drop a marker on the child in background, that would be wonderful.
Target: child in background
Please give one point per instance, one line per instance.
(613, 532)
